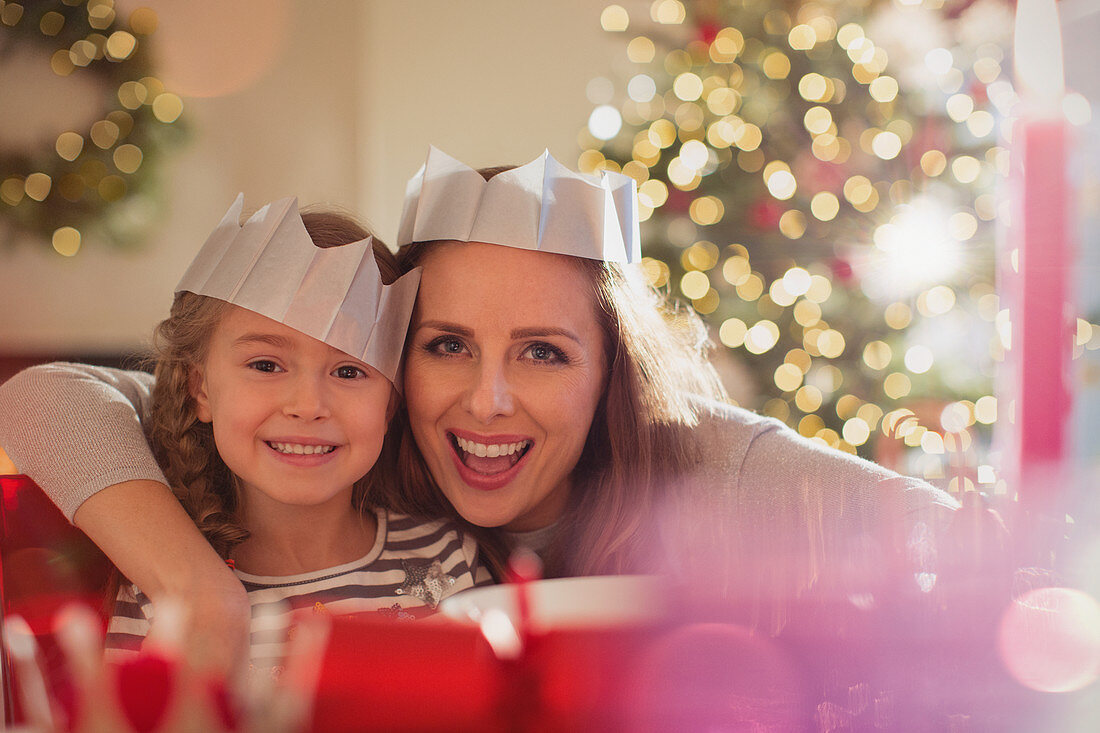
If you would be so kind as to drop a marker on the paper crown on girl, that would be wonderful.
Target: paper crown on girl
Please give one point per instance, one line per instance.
(271, 266)
(541, 205)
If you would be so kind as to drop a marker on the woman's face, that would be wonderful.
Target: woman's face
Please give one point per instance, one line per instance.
(505, 367)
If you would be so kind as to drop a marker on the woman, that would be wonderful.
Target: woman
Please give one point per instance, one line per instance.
(550, 403)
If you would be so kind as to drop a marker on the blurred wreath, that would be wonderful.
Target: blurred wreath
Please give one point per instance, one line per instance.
(99, 178)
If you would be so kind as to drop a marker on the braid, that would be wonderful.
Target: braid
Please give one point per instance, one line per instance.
(182, 444)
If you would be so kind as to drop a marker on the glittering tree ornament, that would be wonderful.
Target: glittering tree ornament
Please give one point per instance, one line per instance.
(823, 202)
(99, 177)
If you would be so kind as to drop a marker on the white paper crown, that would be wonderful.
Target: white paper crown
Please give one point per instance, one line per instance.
(271, 266)
(541, 205)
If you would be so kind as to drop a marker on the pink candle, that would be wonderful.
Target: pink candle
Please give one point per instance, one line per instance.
(1039, 294)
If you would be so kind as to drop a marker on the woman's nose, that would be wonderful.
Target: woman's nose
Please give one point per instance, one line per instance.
(491, 394)
(306, 399)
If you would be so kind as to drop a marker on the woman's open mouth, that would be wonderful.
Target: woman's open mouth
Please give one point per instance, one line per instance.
(488, 465)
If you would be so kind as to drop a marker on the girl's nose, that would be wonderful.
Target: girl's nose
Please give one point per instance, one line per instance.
(491, 394)
(306, 400)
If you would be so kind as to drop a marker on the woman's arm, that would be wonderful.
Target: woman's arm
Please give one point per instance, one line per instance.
(76, 431)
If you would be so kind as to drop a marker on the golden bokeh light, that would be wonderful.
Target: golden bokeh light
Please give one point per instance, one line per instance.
(104, 133)
(641, 50)
(830, 343)
(751, 288)
(701, 256)
(668, 12)
(143, 21)
(614, 19)
(802, 37)
(870, 413)
(688, 87)
(847, 405)
(727, 45)
(11, 13)
(807, 313)
(856, 431)
(788, 377)
(820, 289)
(883, 89)
(68, 145)
(51, 23)
(800, 359)
(792, 224)
(111, 188)
(966, 168)
(732, 332)
(810, 425)
(776, 65)
(167, 107)
(933, 163)
(694, 284)
(817, 120)
(66, 241)
(897, 385)
(781, 184)
(736, 270)
(877, 355)
(886, 145)
(708, 303)
(813, 87)
(12, 191)
(761, 337)
(37, 186)
(808, 398)
(127, 158)
(655, 192)
(898, 315)
(120, 45)
(824, 206)
(985, 410)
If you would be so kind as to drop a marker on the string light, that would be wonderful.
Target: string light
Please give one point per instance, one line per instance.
(84, 173)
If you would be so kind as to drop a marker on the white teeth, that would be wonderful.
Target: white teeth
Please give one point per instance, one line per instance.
(490, 450)
(302, 450)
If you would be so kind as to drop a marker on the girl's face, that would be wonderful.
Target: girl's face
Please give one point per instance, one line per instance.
(296, 420)
(504, 369)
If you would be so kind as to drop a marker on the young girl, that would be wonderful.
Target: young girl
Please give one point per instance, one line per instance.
(275, 383)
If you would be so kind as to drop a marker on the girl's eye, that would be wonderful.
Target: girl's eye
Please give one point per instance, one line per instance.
(446, 346)
(546, 354)
(264, 365)
(349, 372)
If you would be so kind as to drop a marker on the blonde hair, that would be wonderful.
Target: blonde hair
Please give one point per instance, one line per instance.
(639, 442)
(182, 444)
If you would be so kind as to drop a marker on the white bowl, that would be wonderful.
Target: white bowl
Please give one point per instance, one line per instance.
(592, 601)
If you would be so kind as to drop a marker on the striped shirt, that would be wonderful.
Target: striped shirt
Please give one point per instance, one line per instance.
(412, 566)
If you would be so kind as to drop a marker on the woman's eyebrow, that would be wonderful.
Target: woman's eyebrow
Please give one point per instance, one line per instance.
(263, 338)
(447, 327)
(542, 331)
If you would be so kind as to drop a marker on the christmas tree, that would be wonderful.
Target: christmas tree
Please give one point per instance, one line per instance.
(824, 203)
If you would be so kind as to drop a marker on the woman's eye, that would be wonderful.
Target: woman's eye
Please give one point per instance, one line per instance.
(447, 346)
(264, 365)
(349, 372)
(545, 353)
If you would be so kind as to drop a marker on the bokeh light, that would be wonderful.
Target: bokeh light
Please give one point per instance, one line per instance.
(1049, 639)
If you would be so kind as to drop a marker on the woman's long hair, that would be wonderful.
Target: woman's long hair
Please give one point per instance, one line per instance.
(639, 444)
(182, 444)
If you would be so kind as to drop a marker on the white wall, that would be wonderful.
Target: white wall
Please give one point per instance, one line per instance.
(344, 116)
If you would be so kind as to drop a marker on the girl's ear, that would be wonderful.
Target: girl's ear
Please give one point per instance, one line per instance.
(196, 385)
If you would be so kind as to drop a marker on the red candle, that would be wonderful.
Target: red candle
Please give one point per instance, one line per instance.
(1038, 289)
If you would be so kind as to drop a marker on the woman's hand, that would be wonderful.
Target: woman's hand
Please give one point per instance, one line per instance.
(160, 690)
